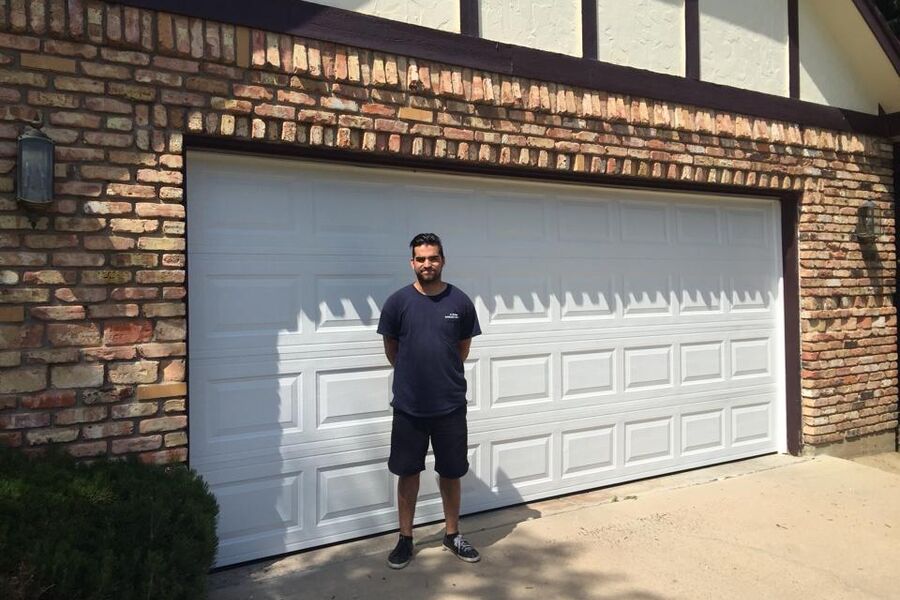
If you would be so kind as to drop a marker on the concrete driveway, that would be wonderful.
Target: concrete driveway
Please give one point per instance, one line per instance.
(770, 527)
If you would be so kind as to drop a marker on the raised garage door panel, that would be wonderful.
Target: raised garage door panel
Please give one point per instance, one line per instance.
(626, 333)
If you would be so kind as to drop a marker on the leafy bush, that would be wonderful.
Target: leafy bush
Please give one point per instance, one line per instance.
(109, 529)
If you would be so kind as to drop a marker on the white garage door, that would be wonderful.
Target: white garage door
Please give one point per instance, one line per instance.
(626, 334)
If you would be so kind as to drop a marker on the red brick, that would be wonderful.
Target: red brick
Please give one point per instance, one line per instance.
(176, 64)
(254, 92)
(172, 370)
(378, 109)
(80, 294)
(47, 63)
(116, 140)
(138, 93)
(98, 207)
(133, 158)
(27, 259)
(134, 293)
(70, 49)
(106, 354)
(162, 424)
(160, 276)
(79, 188)
(110, 105)
(54, 99)
(179, 98)
(77, 376)
(166, 211)
(49, 399)
(58, 313)
(133, 225)
(87, 449)
(51, 436)
(51, 356)
(134, 259)
(164, 457)
(88, 414)
(117, 333)
(78, 259)
(107, 311)
(132, 372)
(78, 154)
(318, 117)
(122, 446)
(134, 410)
(108, 242)
(74, 119)
(158, 77)
(159, 176)
(73, 334)
(160, 350)
(21, 336)
(19, 42)
(23, 295)
(174, 293)
(107, 430)
(24, 420)
(51, 241)
(130, 191)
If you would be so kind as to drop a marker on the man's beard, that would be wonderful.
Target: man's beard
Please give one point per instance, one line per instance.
(432, 277)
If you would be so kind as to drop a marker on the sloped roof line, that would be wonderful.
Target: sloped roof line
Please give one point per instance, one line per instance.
(881, 30)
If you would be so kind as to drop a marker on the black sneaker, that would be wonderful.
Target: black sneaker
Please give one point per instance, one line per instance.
(463, 550)
(402, 553)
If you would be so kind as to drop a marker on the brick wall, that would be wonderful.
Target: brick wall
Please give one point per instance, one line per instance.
(92, 298)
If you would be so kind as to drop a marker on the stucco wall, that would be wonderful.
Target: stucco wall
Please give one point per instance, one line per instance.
(744, 44)
(645, 34)
(552, 25)
(827, 74)
(437, 14)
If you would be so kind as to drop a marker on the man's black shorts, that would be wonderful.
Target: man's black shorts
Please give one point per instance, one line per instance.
(409, 443)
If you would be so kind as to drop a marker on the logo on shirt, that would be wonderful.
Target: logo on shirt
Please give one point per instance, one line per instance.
(452, 316)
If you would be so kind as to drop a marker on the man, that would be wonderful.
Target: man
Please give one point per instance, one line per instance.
(427, 329)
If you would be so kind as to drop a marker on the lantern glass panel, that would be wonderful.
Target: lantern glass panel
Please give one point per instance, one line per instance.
(35, 170)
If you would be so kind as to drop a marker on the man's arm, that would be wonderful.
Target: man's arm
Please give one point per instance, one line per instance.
(391, 345)
(464, 346)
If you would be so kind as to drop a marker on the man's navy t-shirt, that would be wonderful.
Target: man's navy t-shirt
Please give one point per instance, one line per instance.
(428, 371)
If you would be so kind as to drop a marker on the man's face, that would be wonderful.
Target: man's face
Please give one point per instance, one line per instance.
(427, 263)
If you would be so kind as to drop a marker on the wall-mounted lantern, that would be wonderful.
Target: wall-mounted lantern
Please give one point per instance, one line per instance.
(866, 222)
(34, 167)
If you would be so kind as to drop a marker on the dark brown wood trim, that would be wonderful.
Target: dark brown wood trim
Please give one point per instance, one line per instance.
(790, 265)
(589, 29)
(314, 21)
(790, 206)
(794, 48)
(692, 39)
(892, 121)
(469, 23)
(881, 30)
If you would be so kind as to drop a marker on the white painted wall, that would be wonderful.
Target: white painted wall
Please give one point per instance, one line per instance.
(856, 76)
(645, 34)
(745, 44)
(552, 25)
(436, 14)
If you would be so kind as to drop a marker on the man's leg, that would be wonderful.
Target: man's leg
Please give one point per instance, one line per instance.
(450, 496)
(449, 439)
(409, 443)
(407, 494)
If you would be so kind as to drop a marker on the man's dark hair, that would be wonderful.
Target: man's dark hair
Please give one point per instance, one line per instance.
(426, 239)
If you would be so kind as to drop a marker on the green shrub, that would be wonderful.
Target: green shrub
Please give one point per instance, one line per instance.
(105, 530)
